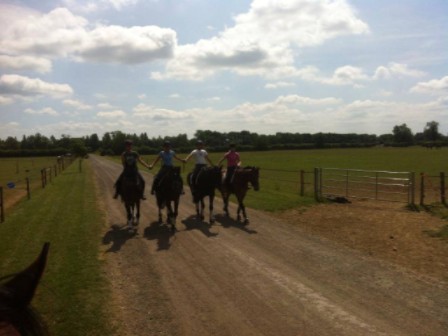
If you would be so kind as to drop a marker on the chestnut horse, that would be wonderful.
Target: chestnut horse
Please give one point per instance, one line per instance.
(204, 184)
(239, 185)
(17, 317)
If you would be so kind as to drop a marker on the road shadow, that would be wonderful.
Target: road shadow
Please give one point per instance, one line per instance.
(191, 223)
(162, 233)
(228, 222)
(117, 236)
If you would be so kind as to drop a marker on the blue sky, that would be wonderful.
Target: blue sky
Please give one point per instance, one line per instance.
(166, 67)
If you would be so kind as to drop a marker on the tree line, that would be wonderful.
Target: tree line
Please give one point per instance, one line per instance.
(111, 143)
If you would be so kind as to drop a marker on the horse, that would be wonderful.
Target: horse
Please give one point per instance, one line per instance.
(131, 192)
(168, 191)
(17, 317)
(204, 184)
(239, 185)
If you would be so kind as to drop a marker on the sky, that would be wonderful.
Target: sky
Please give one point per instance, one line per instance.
(169, 67)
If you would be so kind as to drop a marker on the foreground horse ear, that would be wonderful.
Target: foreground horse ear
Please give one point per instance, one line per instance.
(23, 285)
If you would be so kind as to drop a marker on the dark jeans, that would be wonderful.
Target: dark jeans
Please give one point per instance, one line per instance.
(139, 180)
(229, 175)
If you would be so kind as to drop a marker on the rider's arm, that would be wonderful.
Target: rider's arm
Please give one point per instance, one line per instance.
(208, 159)
(179, 159)
(123, 161)
(188, 157)
(155, 161)
(142, 162)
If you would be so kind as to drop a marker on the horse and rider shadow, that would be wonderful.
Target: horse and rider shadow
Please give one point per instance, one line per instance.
(161, 233)
(117, 236)
(191, 223)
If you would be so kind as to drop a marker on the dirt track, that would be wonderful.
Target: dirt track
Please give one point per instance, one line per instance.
(269, 278)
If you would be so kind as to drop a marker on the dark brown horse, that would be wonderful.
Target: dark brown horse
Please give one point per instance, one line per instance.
(206, 181)
(17, 317)
(131, 191)
(239, 185)
(168, 191)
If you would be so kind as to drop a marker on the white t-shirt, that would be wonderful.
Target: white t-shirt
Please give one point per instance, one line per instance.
(199, 156)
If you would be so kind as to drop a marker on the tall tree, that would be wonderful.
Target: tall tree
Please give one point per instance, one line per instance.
(402, 134)
(431, 131)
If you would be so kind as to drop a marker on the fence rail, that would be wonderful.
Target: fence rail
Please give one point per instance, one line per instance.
(26, 180)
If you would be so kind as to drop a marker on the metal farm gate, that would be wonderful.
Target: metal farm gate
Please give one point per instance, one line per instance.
(365, 184)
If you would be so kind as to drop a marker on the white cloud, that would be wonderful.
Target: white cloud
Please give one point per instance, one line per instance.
(106, 106)
(433, 87)
(127, 45)
(261, 41)
(396, 70)
(77, 104)
(279, 85)
(300, 100)
(6, 100)
(157, 114)
(60, 33)
(46, 110)
(38, 64)
(25, 86)
(111, 114)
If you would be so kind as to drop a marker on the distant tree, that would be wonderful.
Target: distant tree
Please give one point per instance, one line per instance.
(11, 143)
(78, 148)
(402, 134)
(431, 131)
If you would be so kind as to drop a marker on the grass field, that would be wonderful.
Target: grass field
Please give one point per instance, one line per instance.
(280, 170)
(73, 293)
(17, 170)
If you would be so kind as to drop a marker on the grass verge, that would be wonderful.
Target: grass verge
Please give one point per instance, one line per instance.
(73, 292)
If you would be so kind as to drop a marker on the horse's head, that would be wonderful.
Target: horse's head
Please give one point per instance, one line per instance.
(16, 316)
(254, 177)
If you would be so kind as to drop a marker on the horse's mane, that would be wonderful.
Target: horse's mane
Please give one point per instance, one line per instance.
(16, 293)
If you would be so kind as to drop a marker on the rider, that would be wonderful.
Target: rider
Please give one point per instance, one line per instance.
(200, 157)
(233, 161)
(129, 160)
(167, 155)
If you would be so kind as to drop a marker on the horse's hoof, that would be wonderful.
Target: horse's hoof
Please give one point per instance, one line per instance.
(246, 221)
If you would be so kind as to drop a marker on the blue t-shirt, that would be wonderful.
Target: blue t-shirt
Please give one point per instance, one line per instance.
(167, 157)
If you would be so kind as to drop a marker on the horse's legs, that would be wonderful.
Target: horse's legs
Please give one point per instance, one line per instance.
(137, 219)
(202, 209)
(241, 208)
(211, 199)
(129, 215)
(160, 216)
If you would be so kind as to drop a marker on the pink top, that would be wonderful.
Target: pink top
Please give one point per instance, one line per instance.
(232, 158)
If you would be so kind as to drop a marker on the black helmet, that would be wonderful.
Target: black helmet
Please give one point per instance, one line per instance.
(199, 142)
(128, 142)
(167, 143)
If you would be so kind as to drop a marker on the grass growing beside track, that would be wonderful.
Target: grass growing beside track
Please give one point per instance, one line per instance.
(73, 293)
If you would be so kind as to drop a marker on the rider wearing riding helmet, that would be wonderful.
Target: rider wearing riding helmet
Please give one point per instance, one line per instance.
(233, 162)
(200, 157)
(129, 160)
(166, 155)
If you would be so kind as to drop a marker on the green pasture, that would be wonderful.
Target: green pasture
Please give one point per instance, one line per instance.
(17, 170)
(280, 170)
(74, 292)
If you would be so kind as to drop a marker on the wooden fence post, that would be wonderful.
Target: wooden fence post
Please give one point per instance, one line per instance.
(316, 184)
(302, 183)
(442, 188)
(422, 188)
(55, 170)
(2, 208)
(412, 188)
(28, 188)
(80, 165)
(42, 172)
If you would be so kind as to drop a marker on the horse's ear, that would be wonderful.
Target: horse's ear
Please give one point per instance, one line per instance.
(23, 285)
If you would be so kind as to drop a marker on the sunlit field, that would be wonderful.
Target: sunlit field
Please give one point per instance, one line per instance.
(15, 171)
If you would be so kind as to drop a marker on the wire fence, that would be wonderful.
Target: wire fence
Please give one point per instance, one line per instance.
(20, 177)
